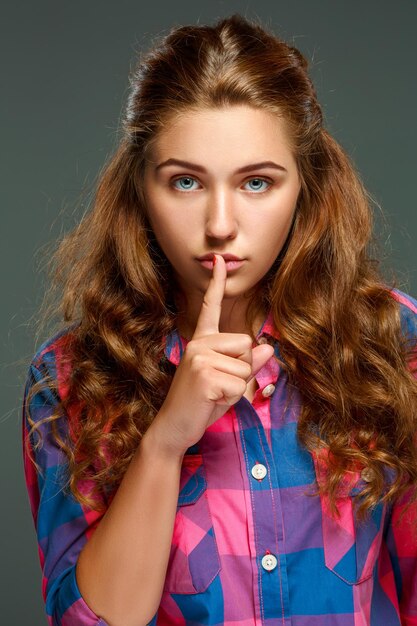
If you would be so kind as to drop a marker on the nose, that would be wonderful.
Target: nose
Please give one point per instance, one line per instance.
(221, 216)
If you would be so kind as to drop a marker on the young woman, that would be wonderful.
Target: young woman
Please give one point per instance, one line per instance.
(223, 429)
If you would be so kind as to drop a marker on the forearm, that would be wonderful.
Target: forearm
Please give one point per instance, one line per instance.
(121, 570)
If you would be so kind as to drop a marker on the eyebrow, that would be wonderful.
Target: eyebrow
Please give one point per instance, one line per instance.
(199, 168)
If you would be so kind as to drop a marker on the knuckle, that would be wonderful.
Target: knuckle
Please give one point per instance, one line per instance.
(238, 391)
(198, 361)
(190, 347)
(247, 341)
(248, 370)
(239, 387)
(208, 304)
(193, 348)
(243, 387)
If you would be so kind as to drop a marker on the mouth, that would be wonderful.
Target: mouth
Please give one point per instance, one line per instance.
(232, 262)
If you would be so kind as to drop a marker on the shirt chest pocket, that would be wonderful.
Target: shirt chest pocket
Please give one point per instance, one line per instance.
(194, 559)
(351, 546)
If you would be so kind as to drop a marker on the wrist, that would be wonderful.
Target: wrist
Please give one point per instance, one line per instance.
(155, 443)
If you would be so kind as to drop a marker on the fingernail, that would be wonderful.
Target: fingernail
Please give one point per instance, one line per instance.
(214, 259)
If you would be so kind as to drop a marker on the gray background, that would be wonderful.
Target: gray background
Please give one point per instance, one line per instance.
(64, 84)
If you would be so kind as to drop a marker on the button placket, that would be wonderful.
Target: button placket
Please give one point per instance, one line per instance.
(265, 501)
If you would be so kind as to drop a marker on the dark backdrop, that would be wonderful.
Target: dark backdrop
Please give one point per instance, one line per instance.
(64, 83)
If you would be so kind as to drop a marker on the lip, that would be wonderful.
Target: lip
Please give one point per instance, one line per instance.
(232, 262)
(227, 257)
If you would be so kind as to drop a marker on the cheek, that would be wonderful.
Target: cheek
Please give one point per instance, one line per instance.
(170, 232)
(158, 216)
(277, 229)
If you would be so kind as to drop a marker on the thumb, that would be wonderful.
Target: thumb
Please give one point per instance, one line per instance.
(260, 356)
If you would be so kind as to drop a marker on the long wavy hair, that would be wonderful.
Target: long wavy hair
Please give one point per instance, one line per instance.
(339, 325)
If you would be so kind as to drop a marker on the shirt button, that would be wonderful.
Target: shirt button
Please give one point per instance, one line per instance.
(268, 391)
(259, 471)
(269, 562)
(367, 474)
(263, 339)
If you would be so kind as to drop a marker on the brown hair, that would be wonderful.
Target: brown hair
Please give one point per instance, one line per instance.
(339, 325)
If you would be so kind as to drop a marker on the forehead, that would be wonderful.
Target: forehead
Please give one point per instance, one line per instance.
(238, 128)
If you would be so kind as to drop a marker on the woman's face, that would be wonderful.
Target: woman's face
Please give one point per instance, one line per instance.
(223, 181)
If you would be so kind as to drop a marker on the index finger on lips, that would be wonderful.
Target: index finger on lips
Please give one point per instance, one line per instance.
(209, 317)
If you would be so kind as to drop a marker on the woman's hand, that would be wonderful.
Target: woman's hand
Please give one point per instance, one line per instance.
(213, 374)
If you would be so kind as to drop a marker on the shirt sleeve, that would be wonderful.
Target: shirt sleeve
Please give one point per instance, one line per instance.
(402, 533)
(402, 544)
(62, 524)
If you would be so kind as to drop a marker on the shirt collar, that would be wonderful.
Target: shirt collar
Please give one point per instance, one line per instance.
(175, 344)
(268, 328)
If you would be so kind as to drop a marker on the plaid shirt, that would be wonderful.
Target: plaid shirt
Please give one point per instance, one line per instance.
(250, 545)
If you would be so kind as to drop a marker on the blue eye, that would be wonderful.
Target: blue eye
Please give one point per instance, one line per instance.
(259, 180)
(189, 180)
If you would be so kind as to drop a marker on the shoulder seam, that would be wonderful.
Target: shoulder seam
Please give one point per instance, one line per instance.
(50, 345)
(402, 298)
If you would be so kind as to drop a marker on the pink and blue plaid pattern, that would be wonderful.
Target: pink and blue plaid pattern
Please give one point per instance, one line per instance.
(250, 545)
